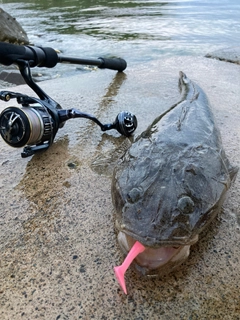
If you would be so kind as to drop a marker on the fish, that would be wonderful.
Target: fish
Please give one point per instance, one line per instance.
(171, 182)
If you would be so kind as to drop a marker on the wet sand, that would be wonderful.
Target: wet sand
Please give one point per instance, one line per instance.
(57, 239)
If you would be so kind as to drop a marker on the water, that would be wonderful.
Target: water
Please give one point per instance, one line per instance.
(136, 30)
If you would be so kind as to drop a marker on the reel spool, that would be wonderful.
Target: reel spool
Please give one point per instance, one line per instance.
(26, 126)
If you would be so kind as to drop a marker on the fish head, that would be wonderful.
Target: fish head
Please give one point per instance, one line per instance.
(165, 201)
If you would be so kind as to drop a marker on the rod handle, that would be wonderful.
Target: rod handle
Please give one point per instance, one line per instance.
(118, 64)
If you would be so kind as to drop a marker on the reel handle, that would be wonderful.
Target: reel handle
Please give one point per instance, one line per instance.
(125, 122)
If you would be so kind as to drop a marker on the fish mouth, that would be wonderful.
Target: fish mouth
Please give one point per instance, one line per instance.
(156, 261)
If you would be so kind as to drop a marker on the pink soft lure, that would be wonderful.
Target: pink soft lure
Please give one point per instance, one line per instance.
(120, 270)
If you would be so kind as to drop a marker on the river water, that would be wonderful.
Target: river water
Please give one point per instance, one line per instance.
(135, 30)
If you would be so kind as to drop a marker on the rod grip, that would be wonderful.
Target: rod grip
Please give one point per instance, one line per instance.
(36, 56)
(118, 64)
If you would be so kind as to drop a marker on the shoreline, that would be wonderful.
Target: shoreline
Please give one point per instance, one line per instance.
(10, 77)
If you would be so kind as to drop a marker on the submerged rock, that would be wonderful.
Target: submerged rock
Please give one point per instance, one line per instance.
(10, 76)
(10, 29)
(231, 54)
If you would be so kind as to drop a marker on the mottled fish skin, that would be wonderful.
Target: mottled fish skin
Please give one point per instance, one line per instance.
(173, 179)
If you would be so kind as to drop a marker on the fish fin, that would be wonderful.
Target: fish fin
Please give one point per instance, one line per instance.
(105, 163)
(233, 170)
(196, 95)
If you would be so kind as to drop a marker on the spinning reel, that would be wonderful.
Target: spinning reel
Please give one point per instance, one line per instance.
(35, 124)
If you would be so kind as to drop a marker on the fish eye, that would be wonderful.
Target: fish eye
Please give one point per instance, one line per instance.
(186, 205)
(134, 195)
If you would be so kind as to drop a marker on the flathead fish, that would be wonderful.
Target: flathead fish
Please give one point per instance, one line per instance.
(171, 182)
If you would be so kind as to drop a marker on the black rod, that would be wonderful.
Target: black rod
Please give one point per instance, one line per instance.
(94, 62)
(118, 64)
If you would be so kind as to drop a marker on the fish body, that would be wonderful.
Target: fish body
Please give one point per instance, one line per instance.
(171, 182)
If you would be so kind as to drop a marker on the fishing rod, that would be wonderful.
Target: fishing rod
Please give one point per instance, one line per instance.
(48, 57)
(35, 124)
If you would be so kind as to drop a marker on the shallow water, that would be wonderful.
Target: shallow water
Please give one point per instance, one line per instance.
(136, 30)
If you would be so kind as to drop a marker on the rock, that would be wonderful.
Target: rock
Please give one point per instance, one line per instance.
(10, 29)
(231, 54)
(12, 77)
(50, 213)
